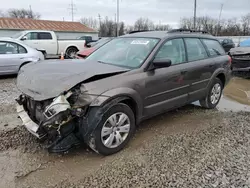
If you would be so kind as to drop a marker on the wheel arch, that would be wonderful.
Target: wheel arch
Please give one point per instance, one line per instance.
(24, 63)
(121, 95)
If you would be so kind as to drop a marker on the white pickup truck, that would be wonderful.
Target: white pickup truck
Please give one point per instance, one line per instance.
(47, 42)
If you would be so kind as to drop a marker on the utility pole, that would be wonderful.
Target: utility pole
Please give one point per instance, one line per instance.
(195, 6)
(118, 12)
(217, 30)
(100, 22)
(72, 8)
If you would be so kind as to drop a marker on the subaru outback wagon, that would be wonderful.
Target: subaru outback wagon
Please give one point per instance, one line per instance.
(100, 100)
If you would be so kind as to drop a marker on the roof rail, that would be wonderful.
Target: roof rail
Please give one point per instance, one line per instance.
(187, 30)
(138, 31)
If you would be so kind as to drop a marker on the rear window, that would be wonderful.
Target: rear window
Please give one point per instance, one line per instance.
(45, 36)
(213, 46)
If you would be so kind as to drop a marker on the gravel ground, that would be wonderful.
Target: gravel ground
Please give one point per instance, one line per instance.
(217, 156)
(188, 147)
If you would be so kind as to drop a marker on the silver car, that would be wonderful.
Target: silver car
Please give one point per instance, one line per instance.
(14, 54)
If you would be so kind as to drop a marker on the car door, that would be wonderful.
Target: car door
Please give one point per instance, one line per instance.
(166, 88)
(46, 42)
(31, 39)
(11, 55)
(200, 68)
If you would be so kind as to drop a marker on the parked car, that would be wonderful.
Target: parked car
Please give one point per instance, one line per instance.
(240, 59)
(14, 54)
(245, 43)
(133, 77)
(88, 39)
(47, 42)
(87, 51)
(92, 44)
(227, 44)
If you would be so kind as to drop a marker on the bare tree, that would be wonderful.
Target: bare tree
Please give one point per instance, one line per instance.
(121, 28)
(162, 27)
(23, 13)
(90, 22)
(186, 23)
(107, 28)
(143, 24)
(245, 24)
(2, 13)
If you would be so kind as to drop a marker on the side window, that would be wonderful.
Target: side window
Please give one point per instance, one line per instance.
(21, 50)
(174, 50)
(32, 36)
(214, 47)
(11, 48)
(195, 49)
(8, 48)
(45, 36)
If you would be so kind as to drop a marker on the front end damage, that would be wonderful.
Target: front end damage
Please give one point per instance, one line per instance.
(240, 59)
(63, 121)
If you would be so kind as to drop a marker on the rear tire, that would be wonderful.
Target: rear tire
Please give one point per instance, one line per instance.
(108, 139)
(214, 95)
(71, 52)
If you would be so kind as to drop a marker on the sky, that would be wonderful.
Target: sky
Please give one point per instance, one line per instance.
(159, 11)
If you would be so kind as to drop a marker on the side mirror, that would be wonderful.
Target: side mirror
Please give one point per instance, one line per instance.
(24, 38)
(161, 63)
(88, 45)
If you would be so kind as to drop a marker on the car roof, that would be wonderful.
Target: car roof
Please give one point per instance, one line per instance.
(9, 39)
(166, 34)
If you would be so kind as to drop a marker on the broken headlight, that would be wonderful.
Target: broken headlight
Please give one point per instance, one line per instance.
(58, 105)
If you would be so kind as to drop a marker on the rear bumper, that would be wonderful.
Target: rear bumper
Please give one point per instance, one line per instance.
(30, 125)
(246, 69)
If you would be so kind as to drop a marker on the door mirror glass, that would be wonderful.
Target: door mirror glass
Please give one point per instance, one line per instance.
(24, 38)
(161, 63)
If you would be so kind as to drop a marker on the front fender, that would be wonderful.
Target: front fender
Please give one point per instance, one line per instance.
(108, 96)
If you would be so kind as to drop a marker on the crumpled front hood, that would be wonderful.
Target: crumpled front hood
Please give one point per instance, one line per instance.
(47, 79)
(240, 51)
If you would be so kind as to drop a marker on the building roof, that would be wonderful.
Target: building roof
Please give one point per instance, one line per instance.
(30, 24)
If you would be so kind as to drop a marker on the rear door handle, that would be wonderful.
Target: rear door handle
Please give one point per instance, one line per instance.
(183, 72)
(211, 65)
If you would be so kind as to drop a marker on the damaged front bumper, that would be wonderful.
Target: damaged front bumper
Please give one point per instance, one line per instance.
(241, 62)
(58, 130)
(30, 125)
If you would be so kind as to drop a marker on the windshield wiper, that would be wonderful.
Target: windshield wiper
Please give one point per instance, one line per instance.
(102, 62)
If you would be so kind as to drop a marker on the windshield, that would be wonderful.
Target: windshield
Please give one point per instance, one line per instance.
(125, 52)
(17, 35)
(102, 42)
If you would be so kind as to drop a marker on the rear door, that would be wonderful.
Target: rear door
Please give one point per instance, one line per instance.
(166, 88)
(201, 67)
(46, 42)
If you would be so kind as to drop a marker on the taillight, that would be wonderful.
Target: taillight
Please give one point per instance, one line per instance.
(230, 60)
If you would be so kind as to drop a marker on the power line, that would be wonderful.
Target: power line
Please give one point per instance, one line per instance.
(219, 19)
(72, 8)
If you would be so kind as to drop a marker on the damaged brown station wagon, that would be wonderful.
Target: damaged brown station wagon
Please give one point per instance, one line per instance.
(100, 100)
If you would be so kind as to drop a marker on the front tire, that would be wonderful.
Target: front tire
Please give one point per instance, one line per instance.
(214, 95)
(114, 130)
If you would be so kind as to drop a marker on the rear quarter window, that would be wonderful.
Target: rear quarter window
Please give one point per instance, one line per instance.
(214, 47)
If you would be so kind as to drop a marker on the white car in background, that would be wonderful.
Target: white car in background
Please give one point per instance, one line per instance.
(49, 44)
(14, 54)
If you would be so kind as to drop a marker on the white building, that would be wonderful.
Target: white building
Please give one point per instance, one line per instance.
(63, 29)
